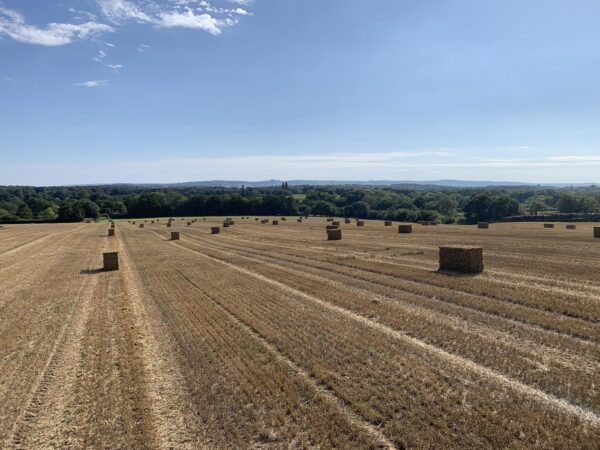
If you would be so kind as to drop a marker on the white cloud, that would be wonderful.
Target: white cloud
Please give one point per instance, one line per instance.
(575, 158)
(120, 11)
(176, 14)
(192, 14)
(100, 58)
(13, 24)
(93, 83)
(395, 165)
(190, 20)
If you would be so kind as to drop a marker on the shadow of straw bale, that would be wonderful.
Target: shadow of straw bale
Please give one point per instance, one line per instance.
(453, 274)
(90, 271)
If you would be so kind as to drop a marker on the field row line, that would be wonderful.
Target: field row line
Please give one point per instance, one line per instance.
(315, 384)
(458, 322)
(523, 389)
(166, 389)
(307, 261)
(33, 242)
(533, 353)
(55, 361)
(595, 287)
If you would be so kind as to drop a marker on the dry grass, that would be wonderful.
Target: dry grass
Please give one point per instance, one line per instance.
(277, 339)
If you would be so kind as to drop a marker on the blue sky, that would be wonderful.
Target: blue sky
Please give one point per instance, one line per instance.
(95, 91)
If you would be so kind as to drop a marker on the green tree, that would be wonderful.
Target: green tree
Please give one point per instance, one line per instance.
(71, 211)
(90, 209)
(568, 203)
(322, 208)
(357, 209)
(536, 205)
(503, 206)
(478, 207)
(47, 214)
(25, 212)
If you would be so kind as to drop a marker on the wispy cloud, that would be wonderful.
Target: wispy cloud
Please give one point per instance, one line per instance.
(575, 158)
(121, 11)
(401, 161)
(393, 165)
(93, 83)
(242, 2)
(100, 58)
(191, 14)
(13, 24)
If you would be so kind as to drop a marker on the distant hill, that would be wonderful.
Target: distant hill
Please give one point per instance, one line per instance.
(440, 183)
(375, 183)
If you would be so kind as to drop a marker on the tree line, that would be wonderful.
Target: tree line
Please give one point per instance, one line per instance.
(400, 203)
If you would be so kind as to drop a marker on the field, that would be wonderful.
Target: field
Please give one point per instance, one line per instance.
(272, 337)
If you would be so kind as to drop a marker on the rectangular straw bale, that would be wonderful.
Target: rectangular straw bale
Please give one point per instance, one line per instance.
(334, 234)
(111, 231)
(111, 261)
(141, 225)
(388, 223)
(174, 235)
(331, 227)
(276, 222)
(571, 227)
(215, 230)
(461, 259)
(548, 225)
(483, 225)
(404, 228)
(336, 223)
(360, 223)
(347, 220)
(597, 232)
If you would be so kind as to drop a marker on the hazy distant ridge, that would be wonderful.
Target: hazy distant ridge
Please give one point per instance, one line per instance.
(443, 183)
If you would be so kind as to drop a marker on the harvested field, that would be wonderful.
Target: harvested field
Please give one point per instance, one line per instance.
(273, 337)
